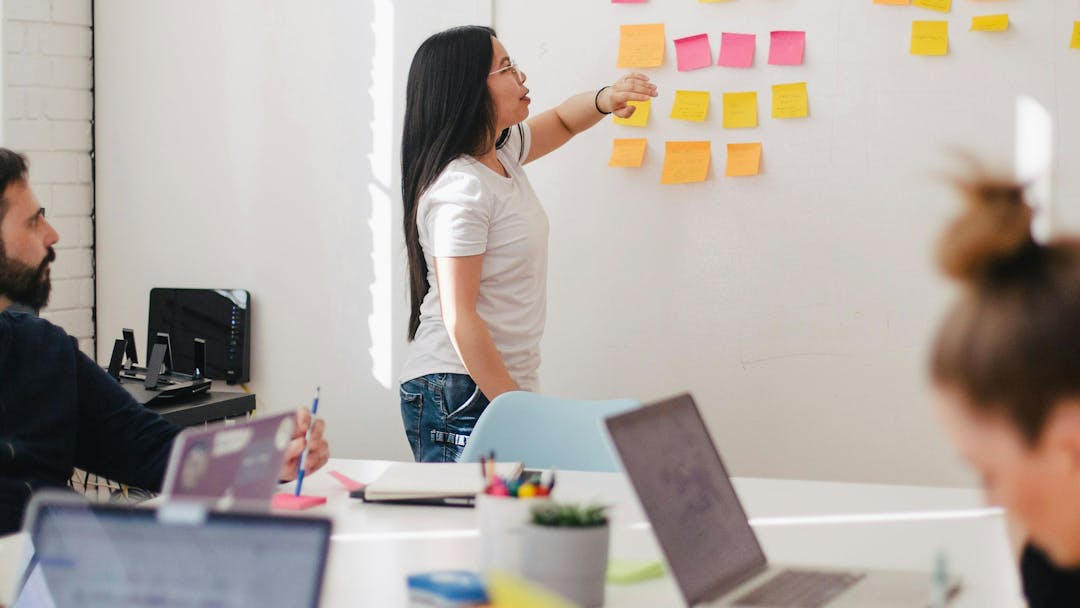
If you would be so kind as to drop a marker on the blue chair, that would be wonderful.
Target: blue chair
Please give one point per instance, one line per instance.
(547, 432)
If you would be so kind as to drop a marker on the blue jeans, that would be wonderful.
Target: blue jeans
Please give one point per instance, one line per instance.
(439, 412)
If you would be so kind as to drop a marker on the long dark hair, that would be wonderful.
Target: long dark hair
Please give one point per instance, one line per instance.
(448, 113)
(1011, 344)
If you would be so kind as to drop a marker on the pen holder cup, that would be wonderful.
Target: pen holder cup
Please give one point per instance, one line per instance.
(502, 519)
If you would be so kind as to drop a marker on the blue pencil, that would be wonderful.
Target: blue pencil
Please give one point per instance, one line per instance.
(307, 443)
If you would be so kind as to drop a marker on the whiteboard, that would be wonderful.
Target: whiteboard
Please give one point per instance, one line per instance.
(798, 305)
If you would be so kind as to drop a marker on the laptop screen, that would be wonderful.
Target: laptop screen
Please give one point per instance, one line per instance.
(226, 465)
(103, 555)
(688, 497)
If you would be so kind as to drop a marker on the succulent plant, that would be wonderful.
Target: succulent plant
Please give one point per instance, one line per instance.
(567, 515)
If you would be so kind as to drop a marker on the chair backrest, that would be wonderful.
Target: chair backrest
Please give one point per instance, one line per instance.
(547, 432)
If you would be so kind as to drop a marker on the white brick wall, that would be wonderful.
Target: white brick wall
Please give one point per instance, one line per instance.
(47, 112)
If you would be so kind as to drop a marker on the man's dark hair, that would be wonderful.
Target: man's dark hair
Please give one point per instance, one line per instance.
(14, 168)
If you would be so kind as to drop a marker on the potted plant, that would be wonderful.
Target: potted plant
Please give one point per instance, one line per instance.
(565, 548)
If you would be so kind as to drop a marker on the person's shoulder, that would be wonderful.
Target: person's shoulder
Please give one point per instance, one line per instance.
(20, 325)
(460, 181)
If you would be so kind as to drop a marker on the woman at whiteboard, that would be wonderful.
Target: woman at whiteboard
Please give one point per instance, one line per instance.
(1006, 365)
(475, 232)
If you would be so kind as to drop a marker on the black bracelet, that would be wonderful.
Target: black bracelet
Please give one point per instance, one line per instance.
(596, 100)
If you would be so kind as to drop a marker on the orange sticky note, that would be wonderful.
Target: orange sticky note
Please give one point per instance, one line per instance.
(641, 46)
(628, 152)
(929, 37)
(639, 118)
(990, 23)
(686, 162)
(1075, 44)
(790, 101)
(740, 110)
(743, 159)
(691, 105)
(936, 5)
(892, 2)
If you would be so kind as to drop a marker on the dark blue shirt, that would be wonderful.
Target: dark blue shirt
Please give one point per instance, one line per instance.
(1045, 584)
(59, 410)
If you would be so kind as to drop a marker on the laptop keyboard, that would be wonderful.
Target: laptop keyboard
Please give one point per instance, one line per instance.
(799, 589)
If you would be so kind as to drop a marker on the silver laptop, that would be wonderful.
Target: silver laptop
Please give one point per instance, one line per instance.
(229, 465)
(703, 531)
(179, 555)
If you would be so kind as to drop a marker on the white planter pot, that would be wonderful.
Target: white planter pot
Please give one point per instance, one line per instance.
(569, 561)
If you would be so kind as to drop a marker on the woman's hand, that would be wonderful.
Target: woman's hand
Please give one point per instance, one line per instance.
(632, 87)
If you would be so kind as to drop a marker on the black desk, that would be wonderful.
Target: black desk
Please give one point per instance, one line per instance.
(208, 407)
(216, 404)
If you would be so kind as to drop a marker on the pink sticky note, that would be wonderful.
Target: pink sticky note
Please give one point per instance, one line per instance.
(292, 502)
(350, 484)
(693, 52)
(786, 48)
(737, 50)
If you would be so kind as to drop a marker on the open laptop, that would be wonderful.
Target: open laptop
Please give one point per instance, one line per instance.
(231, 464)
(703, 531)
(179, 555)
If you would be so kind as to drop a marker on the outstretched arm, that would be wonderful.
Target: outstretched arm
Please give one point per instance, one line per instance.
(555, 127)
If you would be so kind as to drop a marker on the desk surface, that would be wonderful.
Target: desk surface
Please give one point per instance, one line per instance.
(207, 407)
(820, 523)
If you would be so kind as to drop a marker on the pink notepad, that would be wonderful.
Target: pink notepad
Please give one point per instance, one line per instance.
(292, 502)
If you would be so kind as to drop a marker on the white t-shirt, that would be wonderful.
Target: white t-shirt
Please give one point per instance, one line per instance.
(469, 210)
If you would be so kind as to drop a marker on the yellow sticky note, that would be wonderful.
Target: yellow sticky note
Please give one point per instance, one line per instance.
(790, 101)
(641, 46)
(929, 37)
(1075, 44)
(990, 23)
(691, 105)
(628, 153)
(937, 5)
(743, 159)
(740, 110)
(639, 118)
(892, 1)
(686, 162)
(511, 592)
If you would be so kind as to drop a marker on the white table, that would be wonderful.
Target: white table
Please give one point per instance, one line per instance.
(823, 523)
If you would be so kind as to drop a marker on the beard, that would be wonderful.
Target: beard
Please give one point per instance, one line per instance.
(24, 283)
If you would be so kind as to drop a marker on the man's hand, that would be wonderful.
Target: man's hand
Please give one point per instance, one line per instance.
(318, 452)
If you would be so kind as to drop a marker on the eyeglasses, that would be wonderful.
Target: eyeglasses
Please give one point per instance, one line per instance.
(514, 69)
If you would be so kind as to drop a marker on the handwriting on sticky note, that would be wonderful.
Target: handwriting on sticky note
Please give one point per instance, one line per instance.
(786, 48)
(743, 159)
(929, 37)
(641, 46)
(740, 110)
(628, 152)
(686, 162)
(639, 118)
(737, 50)
(1075, 44)
(990, 23)
(790, 101)
(691, 105)
(693, 52)
(937, 5)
